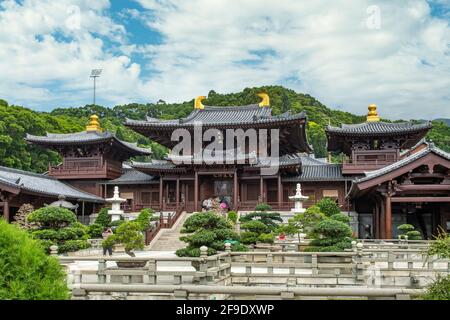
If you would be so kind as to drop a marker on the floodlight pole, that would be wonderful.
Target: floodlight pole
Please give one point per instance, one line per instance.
(95, 78)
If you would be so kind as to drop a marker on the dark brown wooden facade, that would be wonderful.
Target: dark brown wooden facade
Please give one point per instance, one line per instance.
(389, 176)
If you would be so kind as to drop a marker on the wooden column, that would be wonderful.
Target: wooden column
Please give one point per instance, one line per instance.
(382, 222)
(196, 192)
(235, 191)
(280, 192)
(261, 188)
(177, 196)
(5, 200)
(160, 193)
(388, 217)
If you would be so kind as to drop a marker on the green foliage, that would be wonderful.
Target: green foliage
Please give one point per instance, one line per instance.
(95, 230)
(263, 207)
(307, 220)
(340, 217)
(103, 218)
(232, 216)
(116, 223)
(128, 234)
(59, 226)
(441, 246)
(266, 238)
(27, 273)
(439, 289)
(16, 121)
(409, 231)
(144, 218)
(205, 229)
(270, 219)
(52, 217)
(328, 207)
(330, 236)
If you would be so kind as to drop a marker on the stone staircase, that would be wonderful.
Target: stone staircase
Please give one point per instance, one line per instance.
(168, 239)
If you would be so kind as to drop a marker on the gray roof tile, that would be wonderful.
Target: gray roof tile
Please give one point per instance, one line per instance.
(38, 183)
(379, 128)
(133, 176)
(84, 137)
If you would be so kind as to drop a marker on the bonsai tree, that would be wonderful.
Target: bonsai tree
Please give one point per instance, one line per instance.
(232, 216)
(59, 226)
(20, 217)
(27, 272)
(256, 231)
(263, 214)
(128, 234)
(207, 229)
(144, 219)
(330, 236)
(304, 222)
(328, 207)
(408, 232)
(103, 218)
(340, 217)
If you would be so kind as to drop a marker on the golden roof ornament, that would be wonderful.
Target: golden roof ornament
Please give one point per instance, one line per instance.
(265, 100)
(373, 116)
(94, 125)
(198, 102)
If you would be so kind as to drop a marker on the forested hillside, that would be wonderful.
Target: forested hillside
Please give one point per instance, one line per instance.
(16, 121)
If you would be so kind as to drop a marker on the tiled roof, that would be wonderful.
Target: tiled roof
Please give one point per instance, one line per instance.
(377, 173)
(154, 164)
(41, 184)
(221, 116)
(133, 176)
(84, 137)
(379, 128)
(315, 170)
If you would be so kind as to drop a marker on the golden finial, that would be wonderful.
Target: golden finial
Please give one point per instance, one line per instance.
(265, 100)
(198, 102)
(372, 116)
(93, 125)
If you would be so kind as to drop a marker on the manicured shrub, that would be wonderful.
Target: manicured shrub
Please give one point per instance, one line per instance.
(263, 207)
(128, 234)
(27, 273)
(232, 216)
(329, 236)
(52, 217)
(95, 230)
(328, 207)
(73, 245)
(266, 238)
(103, 218)
(56, 226)
(205, 229)
(249, 237)
(116, 223)
(409, 231)
(307, 220)
(144, 219)
(340, 217)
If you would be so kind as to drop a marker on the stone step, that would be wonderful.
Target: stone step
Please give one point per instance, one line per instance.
(169, 238)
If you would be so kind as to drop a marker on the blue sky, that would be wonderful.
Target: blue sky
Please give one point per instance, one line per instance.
(392, 53)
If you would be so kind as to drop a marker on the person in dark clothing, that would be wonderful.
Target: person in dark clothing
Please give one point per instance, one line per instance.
(106, 233)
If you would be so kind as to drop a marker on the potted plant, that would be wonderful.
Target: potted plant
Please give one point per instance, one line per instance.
(129, 235)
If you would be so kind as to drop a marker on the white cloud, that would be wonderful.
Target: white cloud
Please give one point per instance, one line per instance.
(324, 48)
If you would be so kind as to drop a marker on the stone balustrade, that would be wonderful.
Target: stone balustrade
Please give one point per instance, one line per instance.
(360, 269)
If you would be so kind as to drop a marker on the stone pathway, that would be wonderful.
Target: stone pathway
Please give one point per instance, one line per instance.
(168, 239)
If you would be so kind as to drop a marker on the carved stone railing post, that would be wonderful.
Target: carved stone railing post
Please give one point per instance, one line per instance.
(101, 271)
(54, 250)
(204, 264)
(151, 271)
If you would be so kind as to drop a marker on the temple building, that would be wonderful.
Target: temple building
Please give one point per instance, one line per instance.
(389, 174)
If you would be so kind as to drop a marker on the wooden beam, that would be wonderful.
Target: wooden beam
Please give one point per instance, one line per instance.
(420, 199)
(196, 192)
(424, 187)
(388, 217)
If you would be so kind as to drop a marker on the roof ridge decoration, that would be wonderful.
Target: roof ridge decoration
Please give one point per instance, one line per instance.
(94, 125)
(265, 99)
(373, 116)
(198, 102)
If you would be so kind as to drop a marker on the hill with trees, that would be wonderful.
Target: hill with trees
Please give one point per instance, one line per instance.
(16, 121)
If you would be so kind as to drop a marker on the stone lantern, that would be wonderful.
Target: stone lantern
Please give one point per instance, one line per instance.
(298, 198)
(115, 212)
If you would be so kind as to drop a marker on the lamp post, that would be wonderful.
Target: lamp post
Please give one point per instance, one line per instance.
(95, 73)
